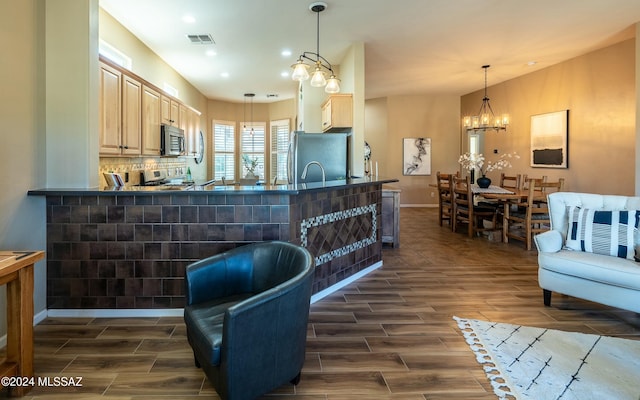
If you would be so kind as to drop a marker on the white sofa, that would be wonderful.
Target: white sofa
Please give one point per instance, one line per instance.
(604, 279)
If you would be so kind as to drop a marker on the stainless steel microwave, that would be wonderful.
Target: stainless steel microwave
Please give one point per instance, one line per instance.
(171, 141)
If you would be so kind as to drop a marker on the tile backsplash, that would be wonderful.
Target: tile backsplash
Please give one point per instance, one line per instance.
(132, 167)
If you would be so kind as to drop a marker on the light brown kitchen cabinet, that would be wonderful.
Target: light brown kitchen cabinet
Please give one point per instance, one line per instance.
(337, 113)
(131, 143)
(110, 110)
(151, 111)
(132, 110)
(120, 113)
(170, 111)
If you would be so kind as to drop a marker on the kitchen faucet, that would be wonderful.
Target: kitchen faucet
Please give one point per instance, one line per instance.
(306, 167)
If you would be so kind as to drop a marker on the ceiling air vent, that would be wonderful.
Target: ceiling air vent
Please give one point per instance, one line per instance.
(201, 39)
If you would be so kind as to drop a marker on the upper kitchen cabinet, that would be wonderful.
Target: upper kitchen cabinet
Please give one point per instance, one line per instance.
(151, 109)
(132, 110)
(170, 111)
(131, 116)
(337, 113)
(110, 110)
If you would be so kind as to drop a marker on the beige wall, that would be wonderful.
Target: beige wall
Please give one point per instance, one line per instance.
(23, 154)
(599, 91)
(389, 120)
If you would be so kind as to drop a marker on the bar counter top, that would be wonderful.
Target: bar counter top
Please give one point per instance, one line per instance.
(210, 188)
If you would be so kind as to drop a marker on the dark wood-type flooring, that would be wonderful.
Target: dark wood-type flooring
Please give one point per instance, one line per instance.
(390, 335)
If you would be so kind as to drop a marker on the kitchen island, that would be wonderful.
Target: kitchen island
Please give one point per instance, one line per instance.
(127, 247)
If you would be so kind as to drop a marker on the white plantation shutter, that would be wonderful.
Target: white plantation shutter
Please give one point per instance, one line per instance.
(224, 143)
(252, 144)
(279, 147)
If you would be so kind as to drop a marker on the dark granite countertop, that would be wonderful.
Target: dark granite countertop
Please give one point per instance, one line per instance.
(209, 188)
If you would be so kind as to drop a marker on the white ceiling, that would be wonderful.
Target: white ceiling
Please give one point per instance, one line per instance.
(411, 46)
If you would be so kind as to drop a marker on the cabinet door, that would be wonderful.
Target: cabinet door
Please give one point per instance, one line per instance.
(175, 113)
(131, 116)
(170, 111)
(150, 122)
(326, 115)
(165, 113)
(337, 112)
(110, 109)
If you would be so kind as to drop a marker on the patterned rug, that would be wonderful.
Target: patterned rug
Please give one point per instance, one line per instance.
(542, 364)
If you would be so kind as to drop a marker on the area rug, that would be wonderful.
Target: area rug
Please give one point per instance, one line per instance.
(543, 364)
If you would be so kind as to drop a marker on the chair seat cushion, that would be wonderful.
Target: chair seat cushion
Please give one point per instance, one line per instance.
(605, 269)
(206, 320)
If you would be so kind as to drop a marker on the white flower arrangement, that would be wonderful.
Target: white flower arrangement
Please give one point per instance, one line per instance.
(474, 161)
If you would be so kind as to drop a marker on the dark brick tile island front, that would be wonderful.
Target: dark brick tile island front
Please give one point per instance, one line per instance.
(128, 249)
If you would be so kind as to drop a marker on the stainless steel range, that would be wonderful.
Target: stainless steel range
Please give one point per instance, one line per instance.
(160, 178)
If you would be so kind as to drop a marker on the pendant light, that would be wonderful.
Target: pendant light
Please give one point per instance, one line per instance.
(244, 112)
(320, 64)
(485, 119)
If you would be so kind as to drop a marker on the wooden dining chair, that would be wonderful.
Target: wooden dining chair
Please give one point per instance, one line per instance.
(445, 197)
(526, 180)
(510, 181)
(464, 211)
(532, 214)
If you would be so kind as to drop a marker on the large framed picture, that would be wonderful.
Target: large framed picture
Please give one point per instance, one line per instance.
(549, 139)
(416, 156)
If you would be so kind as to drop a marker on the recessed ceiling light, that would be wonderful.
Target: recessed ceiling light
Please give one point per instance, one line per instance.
(284, 74)
(532, 63)
(211, 53)
(286, 53)
(188, 19)
(224, 74)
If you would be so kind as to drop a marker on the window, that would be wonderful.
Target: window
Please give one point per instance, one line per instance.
(171, 90)
(279, 147)
(108, 51)
(224, 144)
(252, 144)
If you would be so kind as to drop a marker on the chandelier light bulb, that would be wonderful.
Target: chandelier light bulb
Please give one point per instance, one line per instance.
(333, 85)
(300, 71)
(317, 78)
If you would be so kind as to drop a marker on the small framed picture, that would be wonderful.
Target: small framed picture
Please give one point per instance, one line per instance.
(416, 156)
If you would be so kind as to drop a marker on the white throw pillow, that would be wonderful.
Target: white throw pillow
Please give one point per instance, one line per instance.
(603, 231)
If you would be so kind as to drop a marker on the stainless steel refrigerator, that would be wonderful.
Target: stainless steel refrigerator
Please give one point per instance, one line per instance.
(329, 149)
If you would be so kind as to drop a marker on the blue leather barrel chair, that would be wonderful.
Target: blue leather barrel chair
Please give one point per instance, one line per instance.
(246, 314)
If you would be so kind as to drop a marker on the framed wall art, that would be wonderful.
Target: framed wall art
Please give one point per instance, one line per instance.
(416, 156)
(549, 140)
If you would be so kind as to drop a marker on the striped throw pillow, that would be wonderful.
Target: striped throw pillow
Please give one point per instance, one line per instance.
(612, 233)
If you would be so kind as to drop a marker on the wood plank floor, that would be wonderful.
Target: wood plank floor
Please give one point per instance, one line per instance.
(389, 335)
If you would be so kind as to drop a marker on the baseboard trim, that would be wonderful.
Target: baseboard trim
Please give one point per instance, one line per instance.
(339, 285)
(174, 312)
(39, 317)
(116, 313)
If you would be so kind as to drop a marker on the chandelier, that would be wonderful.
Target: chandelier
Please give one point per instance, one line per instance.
(485, 119)
(318, 77)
